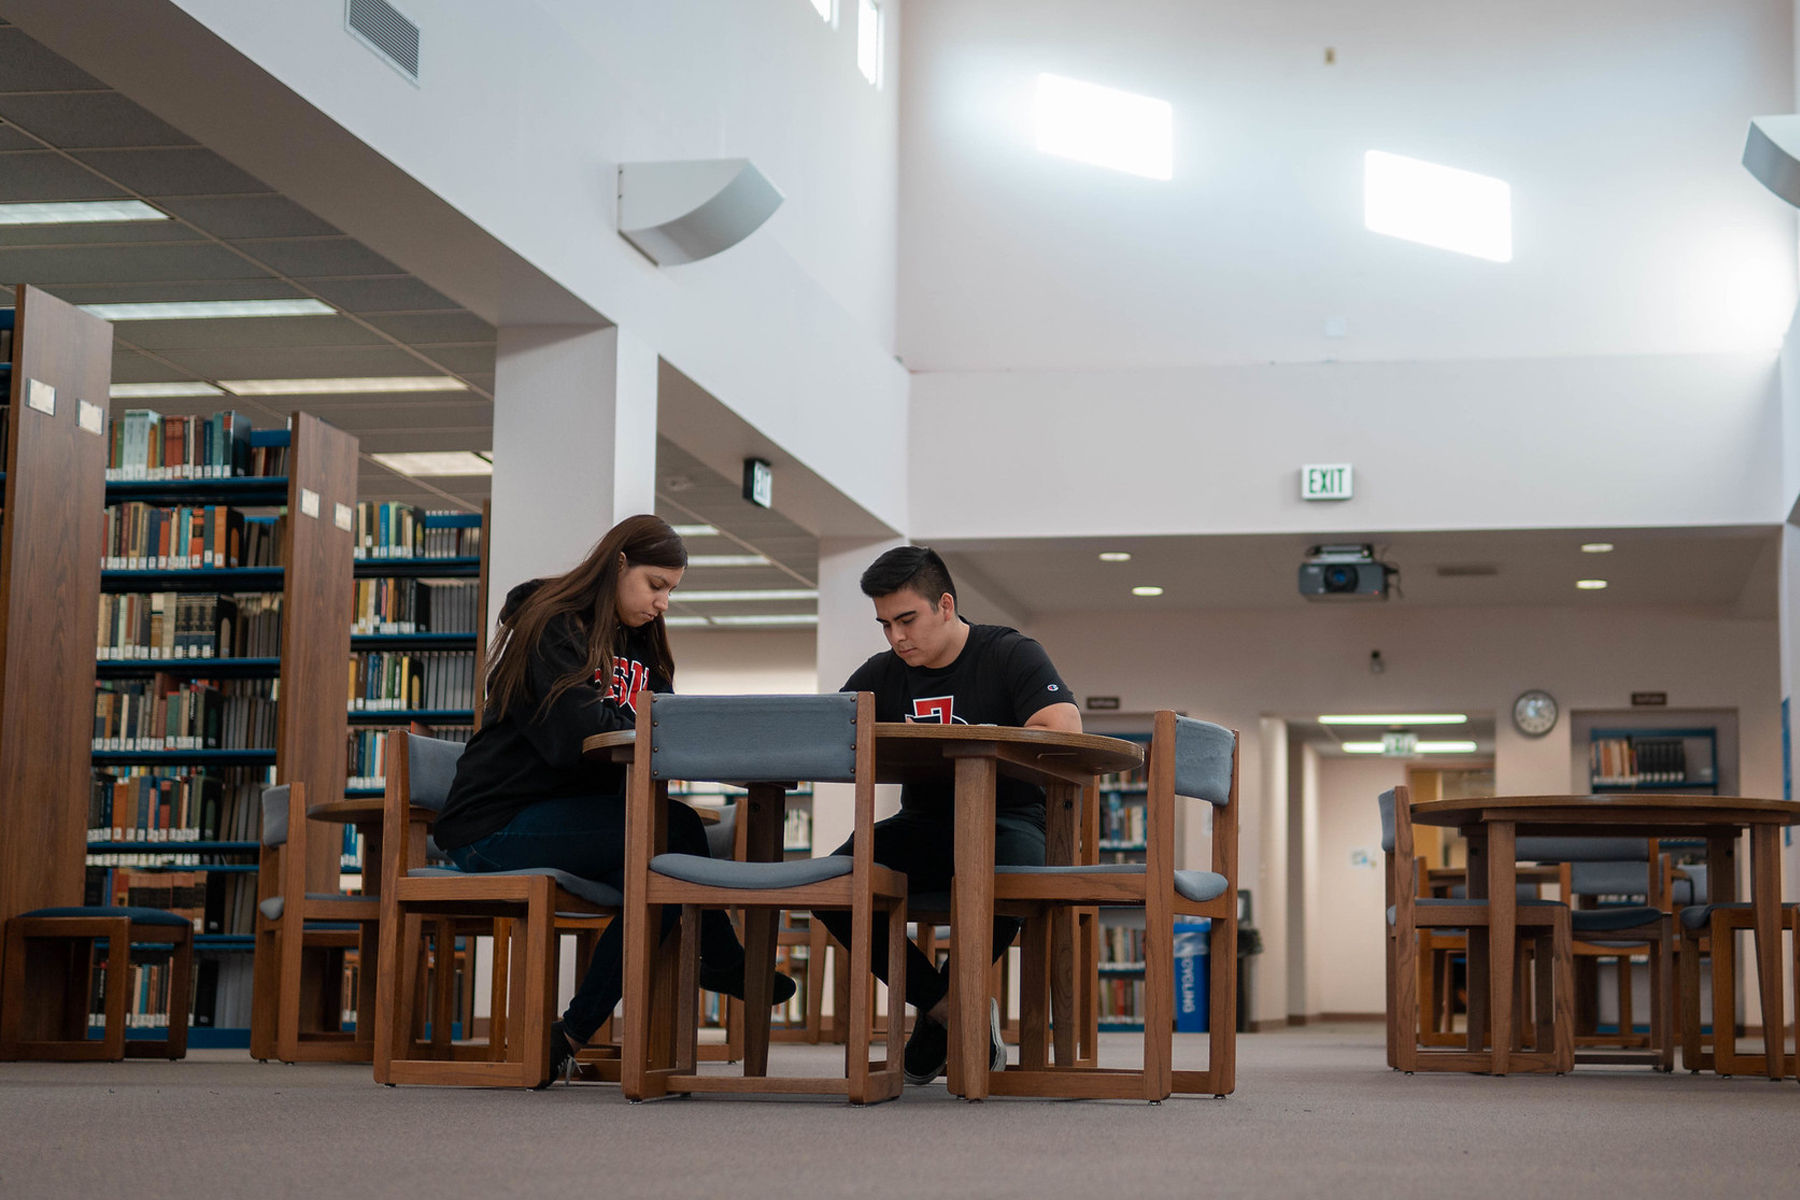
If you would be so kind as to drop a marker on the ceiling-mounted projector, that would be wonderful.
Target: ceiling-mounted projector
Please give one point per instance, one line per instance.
(1345, 572)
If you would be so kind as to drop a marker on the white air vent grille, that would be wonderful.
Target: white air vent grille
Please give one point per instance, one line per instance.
(381, 27)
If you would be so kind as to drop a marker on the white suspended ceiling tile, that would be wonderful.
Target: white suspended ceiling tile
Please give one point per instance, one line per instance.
(248, 333)
(421, 328)
(89, 120)
(288, 362)
(188, 172)
(459, 359)
(26, 66)
(88, 233)
(37, 176)
(247, 216)
(111, 264)
(304, 257)
(399, 293)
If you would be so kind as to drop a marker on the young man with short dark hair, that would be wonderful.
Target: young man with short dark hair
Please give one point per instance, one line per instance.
(941, 669)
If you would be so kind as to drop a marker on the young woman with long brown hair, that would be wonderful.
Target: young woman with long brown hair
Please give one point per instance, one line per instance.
(571, 657)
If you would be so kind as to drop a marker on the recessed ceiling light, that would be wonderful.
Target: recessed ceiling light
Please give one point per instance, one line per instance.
(746, 596)
(688, 531)
(1147, 590)
(727, 560)
(1395, 719)
(343, 387)
(676, 621)
(82, 212)
(1105, 127)
(1596, 547)
(148, 391)
(1114, 556)
(1421, 747)
(1436, 205)
(1590, 585)
(772, 620)
(205, 310)
(437, 462)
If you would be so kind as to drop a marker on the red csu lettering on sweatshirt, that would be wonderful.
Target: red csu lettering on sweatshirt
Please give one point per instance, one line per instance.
(628, 679)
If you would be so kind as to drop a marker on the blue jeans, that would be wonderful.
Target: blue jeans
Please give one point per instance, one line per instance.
(585, 836)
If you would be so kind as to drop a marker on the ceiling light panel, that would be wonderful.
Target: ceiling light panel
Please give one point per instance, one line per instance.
(1146, 590)
(343, 386)
(746, 596)
(1596, 547)
(209, 310)
(727, 560)
(1114, 556)
(772, 621)
(1105, 127)
(79, 212)
(149, 391)
(437, 462)
(1394, 719)
(1439, 206)
(688, 531)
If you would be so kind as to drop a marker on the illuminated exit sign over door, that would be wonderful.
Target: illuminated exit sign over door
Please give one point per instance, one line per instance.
(1325, 481)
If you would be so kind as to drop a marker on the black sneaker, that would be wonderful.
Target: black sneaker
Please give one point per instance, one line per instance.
(562, 1057)
(996, 1043)
(730, 981)
(927, 1051)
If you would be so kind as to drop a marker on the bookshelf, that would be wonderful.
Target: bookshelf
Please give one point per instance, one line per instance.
(1122, 812)
(217, 671)
(58, 373)
(1676, 759)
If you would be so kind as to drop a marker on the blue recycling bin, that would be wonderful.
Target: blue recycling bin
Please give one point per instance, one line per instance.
(1193, 975)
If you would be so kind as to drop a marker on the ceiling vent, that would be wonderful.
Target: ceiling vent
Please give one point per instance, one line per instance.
(1466, 570)
(382, 28)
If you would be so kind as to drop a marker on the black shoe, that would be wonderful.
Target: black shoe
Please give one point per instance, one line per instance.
(927, 1051)
(562, 1057)
(996, 1043)
(730, 981)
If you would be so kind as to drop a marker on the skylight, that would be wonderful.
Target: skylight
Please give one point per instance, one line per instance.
(868, 40)
(1437, 206)
(1105, 127)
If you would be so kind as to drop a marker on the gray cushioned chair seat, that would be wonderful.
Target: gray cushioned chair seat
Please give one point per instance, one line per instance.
(1699, 915)
(716, 872)
(1443, 901)
(136, 915)
(591, 890)
(1198, 886)
(1613, 918)
(274, 906)
(1691, 890)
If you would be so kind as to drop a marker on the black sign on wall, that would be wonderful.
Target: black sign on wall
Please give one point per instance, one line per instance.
(1102, 703)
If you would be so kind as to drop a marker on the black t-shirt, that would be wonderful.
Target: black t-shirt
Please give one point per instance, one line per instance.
(1001, 677)
(526, 756)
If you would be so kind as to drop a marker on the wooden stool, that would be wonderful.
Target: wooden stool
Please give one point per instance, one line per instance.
(49, 977)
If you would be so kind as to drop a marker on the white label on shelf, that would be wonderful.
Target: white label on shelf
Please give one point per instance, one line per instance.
(41, 396)
(309, 503)
(345, 517)
(90, 417)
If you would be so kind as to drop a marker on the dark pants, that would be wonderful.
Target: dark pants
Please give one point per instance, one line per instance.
(585, 836)
(924, 847)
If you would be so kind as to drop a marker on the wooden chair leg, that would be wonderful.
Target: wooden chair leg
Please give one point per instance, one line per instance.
(1563, 1019)
(118, 962)
(1035, 999)
(181, 967)
(687, 991)
(499, 988)
(1687, 975)
(760, 937)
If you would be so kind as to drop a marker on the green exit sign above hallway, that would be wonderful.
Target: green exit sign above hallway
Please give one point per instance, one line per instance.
(1325, 481)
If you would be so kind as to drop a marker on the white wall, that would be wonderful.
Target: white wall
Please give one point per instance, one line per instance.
(1618, 124)
(715, 662)
(1345, 951)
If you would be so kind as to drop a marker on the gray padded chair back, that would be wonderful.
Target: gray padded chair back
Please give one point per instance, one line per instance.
(1203, 761)
(1582, 849)
(721, 839)
(1386, 801)
(275, 815)
(754, 739)
(1691, 890)
(1609, 878)
(430, 768)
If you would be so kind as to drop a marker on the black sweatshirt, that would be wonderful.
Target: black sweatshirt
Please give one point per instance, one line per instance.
(528, 755)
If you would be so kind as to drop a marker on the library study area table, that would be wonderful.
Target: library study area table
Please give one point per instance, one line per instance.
(971, 758)
(1492, 825)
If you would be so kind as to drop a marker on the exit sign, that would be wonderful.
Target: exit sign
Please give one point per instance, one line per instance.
(1325, 481)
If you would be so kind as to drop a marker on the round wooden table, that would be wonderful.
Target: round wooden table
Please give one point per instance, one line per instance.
(1493, 825)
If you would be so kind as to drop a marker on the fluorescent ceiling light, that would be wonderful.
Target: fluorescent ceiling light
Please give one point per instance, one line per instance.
(198, 310)
(868, 40)
(775, 619)
(1114, 556)
(1596, 547)
(83, 212)
(343, 387)
(1396, 719)
(675, 621)
(688, 531)
(746, 596)
(1437, 206)
(827, 10)
(437, 462)
(150, 391)
(727, 560)
(1590, 585)
(1421, 748)
(1105, 127)
(1146, 590)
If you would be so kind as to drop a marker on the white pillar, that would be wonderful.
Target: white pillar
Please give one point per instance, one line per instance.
(848, 635)
(1790, 681)
(574, 447)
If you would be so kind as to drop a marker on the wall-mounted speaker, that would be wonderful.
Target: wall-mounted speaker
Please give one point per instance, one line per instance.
(678, 212)
(1772, 154)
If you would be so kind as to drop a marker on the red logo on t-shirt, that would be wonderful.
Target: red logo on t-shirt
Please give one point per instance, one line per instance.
(935, 710)
(628, 679)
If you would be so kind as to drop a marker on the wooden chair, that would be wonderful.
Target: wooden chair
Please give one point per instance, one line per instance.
(769, 743)
(49, 979)
(1543, 924)
(1186, 758)
(415, 897)
(296, 1010)
(1713, 928)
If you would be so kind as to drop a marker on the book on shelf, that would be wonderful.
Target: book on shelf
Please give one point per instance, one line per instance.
(1636, 761)
(1122, 820)
(1133, 780)
(394, 530)
(183, 625)
(182, 537)
(165, 713)
(366, 750)
(1121, 998)
(145, 445)
(797, 829)
(389, 605)
(222, 991)
(146, 978)
(172, 805)
(1121, 946)
(437, 680)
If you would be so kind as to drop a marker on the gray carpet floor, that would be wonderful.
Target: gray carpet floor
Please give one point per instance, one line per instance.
(1316, 1114)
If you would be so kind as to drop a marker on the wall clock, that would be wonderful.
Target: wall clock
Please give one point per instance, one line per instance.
(1534, 713)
